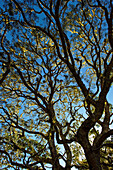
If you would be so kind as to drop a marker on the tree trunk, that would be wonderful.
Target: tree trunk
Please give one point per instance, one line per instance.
(93, 160)
(92, 156)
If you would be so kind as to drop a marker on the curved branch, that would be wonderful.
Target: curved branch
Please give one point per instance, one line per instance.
(102, 138)
(11, 161)
(8, 63)
(21, 128)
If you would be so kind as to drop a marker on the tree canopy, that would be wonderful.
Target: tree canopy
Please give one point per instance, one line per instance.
(56, 65)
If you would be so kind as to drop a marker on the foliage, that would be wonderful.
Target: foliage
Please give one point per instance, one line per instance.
(56, 65)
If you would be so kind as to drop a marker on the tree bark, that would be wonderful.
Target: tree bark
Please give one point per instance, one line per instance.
(92, 155)
(93, 160)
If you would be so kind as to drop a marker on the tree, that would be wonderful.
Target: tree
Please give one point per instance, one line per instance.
(57, 69)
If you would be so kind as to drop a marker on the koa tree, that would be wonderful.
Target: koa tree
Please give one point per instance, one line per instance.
(56, 65)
